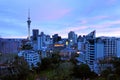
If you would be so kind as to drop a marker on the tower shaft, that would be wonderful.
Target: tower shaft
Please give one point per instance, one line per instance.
(28, 32)
(28, 23)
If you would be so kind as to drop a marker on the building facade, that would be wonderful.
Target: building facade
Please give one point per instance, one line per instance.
(35, 34)
(72, 37)
(10, 45)
(32, 57)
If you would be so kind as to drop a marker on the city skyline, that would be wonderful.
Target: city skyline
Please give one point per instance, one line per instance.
(60, 17)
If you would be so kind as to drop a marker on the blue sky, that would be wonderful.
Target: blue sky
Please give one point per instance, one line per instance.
(60, 16)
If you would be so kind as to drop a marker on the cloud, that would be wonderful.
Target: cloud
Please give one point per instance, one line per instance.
(108, 24)
(57, 14)
(111, 2)
(108, 28)
(51, 14)
(109, 32)
(10, 35)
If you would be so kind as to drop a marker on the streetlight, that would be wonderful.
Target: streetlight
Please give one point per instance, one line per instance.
(78, 52)
(51, 52)
(0, 54)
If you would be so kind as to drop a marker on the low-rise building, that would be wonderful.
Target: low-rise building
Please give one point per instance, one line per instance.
(67, 53)
(81, 58)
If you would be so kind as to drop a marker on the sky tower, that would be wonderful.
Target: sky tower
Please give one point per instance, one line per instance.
(28, 22)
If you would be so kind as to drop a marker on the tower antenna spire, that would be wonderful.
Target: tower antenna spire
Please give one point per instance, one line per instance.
(29, 13)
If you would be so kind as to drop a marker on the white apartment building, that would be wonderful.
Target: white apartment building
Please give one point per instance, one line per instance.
(118, 47)
(90, 53)
(107, 47)
(90, 49)
(99, 48)
(30, 56)
(110, 47)
(43, 41)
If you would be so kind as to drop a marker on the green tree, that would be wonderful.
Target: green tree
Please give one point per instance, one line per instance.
(93, 75)
(55, 58)
(22, 67)
(63, 71)
(17, 70)
(82, 71)
(45, 63)
(26, 47)
(116, 66)
(105, 73)
(111, 77)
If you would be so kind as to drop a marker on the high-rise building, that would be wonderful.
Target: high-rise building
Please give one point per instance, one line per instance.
(99, 48)
(91, 35)
(90, 53)
(72, 37)
(81, 43)
(0, 46)
(118, 47)
(35, 34)
(43, 41)
(40, 42)
(107, 47)
(110, 47)
(90, 49)
(56, 38)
